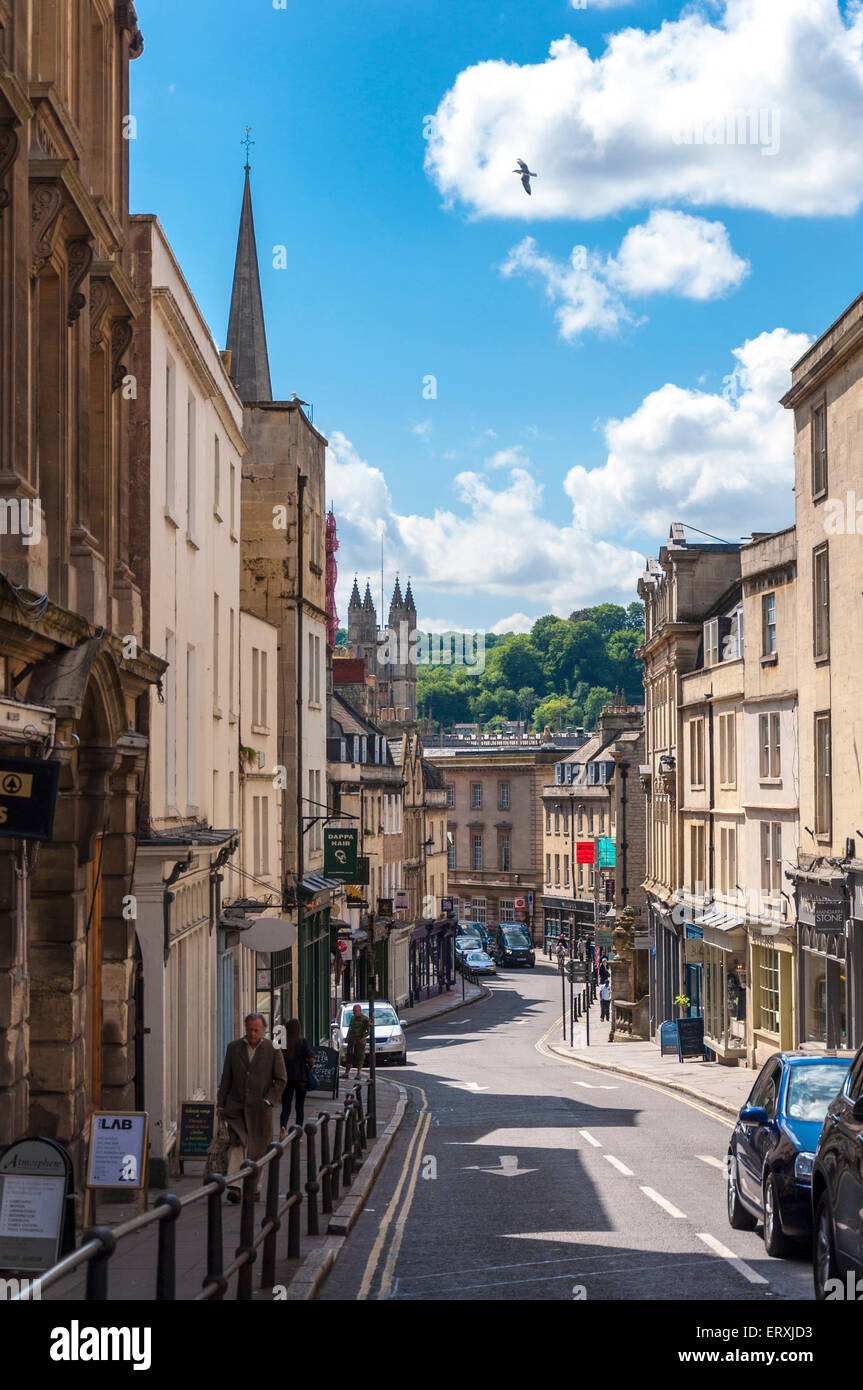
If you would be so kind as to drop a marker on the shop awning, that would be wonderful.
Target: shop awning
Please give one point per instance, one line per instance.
(718, 926)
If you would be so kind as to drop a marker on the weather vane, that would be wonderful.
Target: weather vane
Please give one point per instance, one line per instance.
(247, 142)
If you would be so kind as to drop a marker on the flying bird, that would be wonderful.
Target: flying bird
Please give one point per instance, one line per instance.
(526, 174)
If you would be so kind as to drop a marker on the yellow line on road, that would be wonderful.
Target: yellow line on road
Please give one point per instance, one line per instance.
(635, 1081)
(414, 1145)
(396, 1245)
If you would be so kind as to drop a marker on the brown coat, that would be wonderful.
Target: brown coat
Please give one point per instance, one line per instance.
(244, 1089)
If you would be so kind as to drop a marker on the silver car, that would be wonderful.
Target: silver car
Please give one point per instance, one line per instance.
(390, 1042)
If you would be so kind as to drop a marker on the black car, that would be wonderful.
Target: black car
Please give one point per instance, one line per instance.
(772, 1149)
(510, 945)
(837, 1192)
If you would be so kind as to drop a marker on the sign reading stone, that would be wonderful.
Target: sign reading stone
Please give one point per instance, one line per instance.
(197, 1127)
(830, 916)
(28, 796)
(690, 1038)
(326, 1069)
(37, 1222)
(118, 1149)
(340, 853)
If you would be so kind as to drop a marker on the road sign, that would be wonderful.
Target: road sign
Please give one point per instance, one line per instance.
(28, 796)
(577, 971)
(340, 853)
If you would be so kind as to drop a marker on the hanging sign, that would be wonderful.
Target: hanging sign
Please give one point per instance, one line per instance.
(28, 796)
(585, 852)
(606, 859)
(340, 853)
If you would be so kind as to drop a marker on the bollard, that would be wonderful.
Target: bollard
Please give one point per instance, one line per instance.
(271, 1215)
(326, 1181)
(166, 1257)
(214, 1232)
(312, 1184)
(294, 1191)
(337, 1155)
(97, 1267)
(247, 1231)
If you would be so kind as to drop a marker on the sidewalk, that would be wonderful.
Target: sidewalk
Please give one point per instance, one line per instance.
(132, 1269)
(428, 1009)
(722, 1088)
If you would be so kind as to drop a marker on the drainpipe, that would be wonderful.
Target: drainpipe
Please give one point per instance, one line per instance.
(624, 768)
(301, 963)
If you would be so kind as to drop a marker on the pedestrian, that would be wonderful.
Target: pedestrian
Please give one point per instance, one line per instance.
(561, 950)
(605, 1000)
(253, 1078)
(355, 1046)
(297, 1057)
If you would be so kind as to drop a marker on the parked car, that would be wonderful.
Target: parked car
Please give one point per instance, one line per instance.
(510, 945)
(477, 929)
(390, 1042)
(466, 943)
(837, 1187)
(772, 1149)
(481, 962)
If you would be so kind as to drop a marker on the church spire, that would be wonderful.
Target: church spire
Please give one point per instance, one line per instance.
(247, 337)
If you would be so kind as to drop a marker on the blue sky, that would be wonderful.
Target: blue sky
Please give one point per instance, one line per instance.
(582, 403)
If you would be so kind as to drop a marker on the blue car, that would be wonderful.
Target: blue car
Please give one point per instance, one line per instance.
(773, 1147)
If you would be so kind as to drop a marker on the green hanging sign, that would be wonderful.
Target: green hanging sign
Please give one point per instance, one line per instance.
(605, 853)
(340, 854)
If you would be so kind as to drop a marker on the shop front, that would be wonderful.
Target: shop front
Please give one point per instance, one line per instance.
(432, 958)
(772, 1021)
(724, 984)
(664, 935)
(825, 963)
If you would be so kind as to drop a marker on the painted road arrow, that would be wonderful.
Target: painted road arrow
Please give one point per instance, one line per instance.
(508, 1167)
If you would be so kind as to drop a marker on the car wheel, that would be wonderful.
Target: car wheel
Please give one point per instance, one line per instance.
(738, 1217)
(776, 1243)
(824, 1267)
(403, 1060)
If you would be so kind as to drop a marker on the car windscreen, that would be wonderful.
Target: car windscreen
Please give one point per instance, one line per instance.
(515, 938)
(385, 1017)
(478, 958)
(812, 1087)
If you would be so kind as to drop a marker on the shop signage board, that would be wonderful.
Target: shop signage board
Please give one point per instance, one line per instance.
(340, 853)
(385, 907)
(326, 1069)
(362, 874)
(690, 1038)
(401, 900)
(118, 1154)
(196, 1129)
(37, 1219)
(447, 905)
(668, 1038)
(28, 797)
(585, 852)
(829, 916)
(605, 853)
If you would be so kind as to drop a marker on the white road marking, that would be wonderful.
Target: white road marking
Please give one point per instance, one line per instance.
(473, 1086)
(724, 1253)
(662, 1202)
(588, 1087)
(616, 1163)
(508, 1167)
(586, 1134)
(714, 1162)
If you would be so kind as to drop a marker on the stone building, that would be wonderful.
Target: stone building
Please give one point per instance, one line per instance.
(826, 396)
(390, 652)
(71, 639)
(495, 829)
(678, 589)
(282, 581)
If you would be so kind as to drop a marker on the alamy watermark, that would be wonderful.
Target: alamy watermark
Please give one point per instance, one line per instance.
(759, 126)
(408, 646)
(20, 517)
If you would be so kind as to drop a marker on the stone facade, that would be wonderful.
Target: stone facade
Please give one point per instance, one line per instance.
(71, 637)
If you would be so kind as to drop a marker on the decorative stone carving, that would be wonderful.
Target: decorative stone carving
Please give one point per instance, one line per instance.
(44, 209)
(8, 150)
(623, 936)
(100, 294)
(80, 260)
(121, 337)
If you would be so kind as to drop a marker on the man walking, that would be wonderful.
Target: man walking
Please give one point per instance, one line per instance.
(253, 1079)
(355, 1047)
(561, 951)
(605, 1000)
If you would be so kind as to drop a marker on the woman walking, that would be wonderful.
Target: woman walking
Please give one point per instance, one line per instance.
(298, 1062)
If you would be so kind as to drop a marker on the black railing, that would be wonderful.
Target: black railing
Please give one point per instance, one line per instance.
(336, 1168)
(467, 970)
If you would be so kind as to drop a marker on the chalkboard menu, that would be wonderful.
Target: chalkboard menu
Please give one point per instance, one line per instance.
(690, 1038)
(326, 1068)
(668, 1039)
(197, 1126)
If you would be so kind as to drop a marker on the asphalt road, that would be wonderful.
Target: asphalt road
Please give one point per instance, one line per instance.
(519, 1175)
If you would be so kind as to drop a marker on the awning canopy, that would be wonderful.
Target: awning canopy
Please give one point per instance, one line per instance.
(718, 926)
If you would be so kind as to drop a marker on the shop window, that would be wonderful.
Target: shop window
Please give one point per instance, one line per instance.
(767, 990)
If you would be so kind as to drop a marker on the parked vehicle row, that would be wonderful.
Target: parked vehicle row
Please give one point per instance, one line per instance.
(390, 1042)
(795, 1161)
(506, 944)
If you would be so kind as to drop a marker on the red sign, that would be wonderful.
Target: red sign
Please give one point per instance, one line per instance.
(519, 904)
(585, 852)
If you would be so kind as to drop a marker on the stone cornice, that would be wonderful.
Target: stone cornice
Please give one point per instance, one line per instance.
(64, 172)
(59, 117)
(172, 316)
(11, 89)
(841, 339)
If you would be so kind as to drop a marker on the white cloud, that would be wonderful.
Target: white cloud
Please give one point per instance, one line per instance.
(509, 458)
(493, 541)
(516, 622)
(722, 462)
(423, 429)
(670, 253)
(648, 120)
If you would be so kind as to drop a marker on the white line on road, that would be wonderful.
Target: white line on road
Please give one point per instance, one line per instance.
(586, 1134)
(666, 1205)
(616, 1163)
(714, 1162)
(724, 1253)
(588, 1087)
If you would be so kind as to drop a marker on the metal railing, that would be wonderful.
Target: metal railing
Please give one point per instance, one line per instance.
(326, 1175)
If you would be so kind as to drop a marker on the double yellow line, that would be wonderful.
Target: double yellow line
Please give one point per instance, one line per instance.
(409, 1174)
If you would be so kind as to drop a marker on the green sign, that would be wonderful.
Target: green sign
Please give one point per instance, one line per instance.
(603, 940)
(605, 853)
(340, 854)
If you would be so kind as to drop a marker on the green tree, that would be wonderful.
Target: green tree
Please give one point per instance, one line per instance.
(599, 697)
(519, 662)
(635, 616)
(556, 711)
(591, 660)
(560, 658)
(609, 618)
